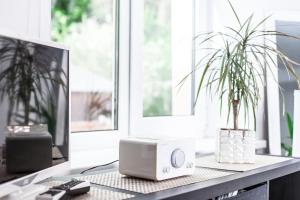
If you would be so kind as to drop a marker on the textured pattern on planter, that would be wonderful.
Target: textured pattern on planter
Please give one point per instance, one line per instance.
(235, 146)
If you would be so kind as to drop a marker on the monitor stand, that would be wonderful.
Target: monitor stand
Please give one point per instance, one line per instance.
(26, 193)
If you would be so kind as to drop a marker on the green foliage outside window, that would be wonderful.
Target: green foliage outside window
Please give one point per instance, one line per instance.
(86, 27)
(287, 147)
(157, 99)
(65, 13)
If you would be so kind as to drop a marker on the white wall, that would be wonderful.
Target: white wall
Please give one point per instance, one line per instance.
(30, 18)
(246, 7)
(25, 18)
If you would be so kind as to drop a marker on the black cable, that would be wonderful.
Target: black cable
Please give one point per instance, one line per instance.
(84, 171)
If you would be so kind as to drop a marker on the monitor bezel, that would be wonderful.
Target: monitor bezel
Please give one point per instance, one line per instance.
(59, 169)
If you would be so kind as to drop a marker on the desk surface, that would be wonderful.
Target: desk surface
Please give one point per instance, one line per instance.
(216, 187)
(219, 186)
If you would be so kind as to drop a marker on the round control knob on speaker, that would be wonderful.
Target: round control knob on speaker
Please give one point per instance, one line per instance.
(177, 158)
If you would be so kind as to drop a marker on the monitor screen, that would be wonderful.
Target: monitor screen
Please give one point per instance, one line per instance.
(34, 92)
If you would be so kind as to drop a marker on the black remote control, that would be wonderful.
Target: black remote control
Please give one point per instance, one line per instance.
(52, 194)
(74, 187)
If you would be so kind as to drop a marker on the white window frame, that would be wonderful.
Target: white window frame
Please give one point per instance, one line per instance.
(174, 126)
(96, 147)
(99, 147)
(274, 113)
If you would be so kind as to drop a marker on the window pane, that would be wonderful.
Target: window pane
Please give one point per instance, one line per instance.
(87, 27)
(288, 85)
(167, 57)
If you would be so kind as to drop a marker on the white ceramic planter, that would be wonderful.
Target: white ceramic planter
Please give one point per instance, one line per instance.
(296, 136)
(235, 146)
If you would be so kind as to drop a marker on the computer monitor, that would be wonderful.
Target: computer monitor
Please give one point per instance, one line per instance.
(34, 111)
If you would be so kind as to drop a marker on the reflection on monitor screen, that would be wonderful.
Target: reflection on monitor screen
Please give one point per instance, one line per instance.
(33, 106)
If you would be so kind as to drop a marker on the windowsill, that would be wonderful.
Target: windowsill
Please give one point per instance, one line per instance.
(89, 158)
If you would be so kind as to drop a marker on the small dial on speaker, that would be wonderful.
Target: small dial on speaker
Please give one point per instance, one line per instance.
(177, 158)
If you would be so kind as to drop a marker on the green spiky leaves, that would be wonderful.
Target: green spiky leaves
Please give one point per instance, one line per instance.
(235, 63)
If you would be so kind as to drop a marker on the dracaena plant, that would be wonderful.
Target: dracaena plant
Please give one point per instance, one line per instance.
(234, 68)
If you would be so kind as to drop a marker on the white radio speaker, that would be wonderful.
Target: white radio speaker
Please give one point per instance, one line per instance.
(156, 159)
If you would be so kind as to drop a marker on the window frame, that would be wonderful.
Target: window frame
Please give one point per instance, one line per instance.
(272, 78)
(175, 126)
(108, 139)
(98, 147)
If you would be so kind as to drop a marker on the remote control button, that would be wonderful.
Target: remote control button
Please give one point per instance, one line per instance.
(168, 169)
(74, 187)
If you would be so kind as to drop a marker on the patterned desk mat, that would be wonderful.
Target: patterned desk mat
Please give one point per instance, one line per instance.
(116, 180)
(260, 161)
(95, 193)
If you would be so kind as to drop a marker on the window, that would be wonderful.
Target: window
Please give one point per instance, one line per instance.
(162, 53)
(88, 28)
(167, 56)
(154, 38)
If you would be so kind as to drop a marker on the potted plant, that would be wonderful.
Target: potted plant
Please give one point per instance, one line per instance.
(234, 70)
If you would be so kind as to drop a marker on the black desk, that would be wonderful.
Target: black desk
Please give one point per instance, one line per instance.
(276, 182)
